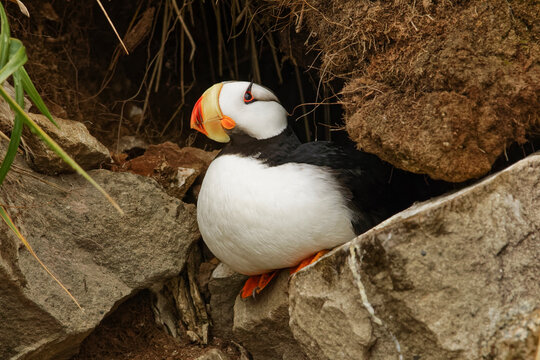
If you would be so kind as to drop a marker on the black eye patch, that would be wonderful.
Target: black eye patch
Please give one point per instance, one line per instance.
(248, 96)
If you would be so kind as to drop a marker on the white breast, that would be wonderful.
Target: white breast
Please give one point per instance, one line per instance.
(257, 218)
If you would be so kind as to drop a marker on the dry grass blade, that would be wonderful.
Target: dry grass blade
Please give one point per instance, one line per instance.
(161, 53)
(220, 41)
(302, 99)
(275, 57)
(254, 57)
(186, 30)
(4, 136)
(112, 25)
(22, 7)
(9, 222)
(25, 172)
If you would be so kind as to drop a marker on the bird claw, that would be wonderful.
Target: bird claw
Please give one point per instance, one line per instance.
(308, 261)
(256, 283)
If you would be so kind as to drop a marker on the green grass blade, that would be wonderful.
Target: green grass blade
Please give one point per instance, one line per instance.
(4, 215)
(4, 37)
(33, 94)
(55, 147)
(17, 58)
(16, 132)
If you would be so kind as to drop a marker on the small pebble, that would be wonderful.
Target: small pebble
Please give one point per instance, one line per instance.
(423, 252)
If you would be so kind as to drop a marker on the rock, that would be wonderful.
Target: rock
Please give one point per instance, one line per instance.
(423, 90)
(204, 274)
(99, 255)
(175, 168)
(224, 287)
(6, 114)
(328, 319)
(182, 292)
(188, 157)
(130, 143)
(261, 325)
(519, 339)
(213, 354)
(73, 137)
(445, 279)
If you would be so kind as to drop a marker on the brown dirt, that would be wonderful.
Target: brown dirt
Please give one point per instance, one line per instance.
(60, 64)
(76, 65)
(435, 87)
(131, 333)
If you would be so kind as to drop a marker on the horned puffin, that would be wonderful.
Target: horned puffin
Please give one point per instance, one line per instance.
(268, 201)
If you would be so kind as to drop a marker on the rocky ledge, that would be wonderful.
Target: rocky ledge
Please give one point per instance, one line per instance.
(99, 255)
(455, 277)
(452, 278)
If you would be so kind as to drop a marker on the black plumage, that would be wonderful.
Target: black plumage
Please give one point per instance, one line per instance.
(374, 189)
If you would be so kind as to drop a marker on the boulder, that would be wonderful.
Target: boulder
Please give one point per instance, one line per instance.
(224, 286)
(175, 168)
(261, 324)
(99, 255)
(452, 278)
(73, 137)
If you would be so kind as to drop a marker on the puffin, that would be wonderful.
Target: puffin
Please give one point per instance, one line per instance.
(268, 201)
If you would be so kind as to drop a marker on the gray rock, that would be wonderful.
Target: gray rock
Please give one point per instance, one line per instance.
(129, 143)
(327, 316)
(441, 280)
(261, 325)
(6, 114)
(73, 137)
(99, 255)
(213, 354)
(519, 339)
(224, 287)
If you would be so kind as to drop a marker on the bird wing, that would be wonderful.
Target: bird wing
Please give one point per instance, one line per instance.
(374, 189)
(362, 178)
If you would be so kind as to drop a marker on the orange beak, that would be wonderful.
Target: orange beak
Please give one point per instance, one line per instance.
(197, 118)
(207, 117)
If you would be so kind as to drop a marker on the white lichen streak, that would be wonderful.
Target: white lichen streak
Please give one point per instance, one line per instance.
(354, 266)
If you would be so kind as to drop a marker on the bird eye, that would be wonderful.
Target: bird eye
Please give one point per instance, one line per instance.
(248, 97)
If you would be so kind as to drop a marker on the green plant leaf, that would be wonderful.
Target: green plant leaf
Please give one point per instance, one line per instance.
(55, 147)
(4, 37)
(33, 94)
(4, 215)
(16, 132)
(17, 58)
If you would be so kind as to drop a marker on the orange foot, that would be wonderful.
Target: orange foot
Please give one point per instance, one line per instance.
(308, 261)
(256, 283)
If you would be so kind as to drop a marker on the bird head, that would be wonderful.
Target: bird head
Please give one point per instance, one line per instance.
(238, 107)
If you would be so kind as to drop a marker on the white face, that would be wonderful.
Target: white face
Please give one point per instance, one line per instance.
(260, 116)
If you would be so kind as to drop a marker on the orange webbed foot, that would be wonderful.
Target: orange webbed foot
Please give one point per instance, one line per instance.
(308, 261)
(256, 283)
